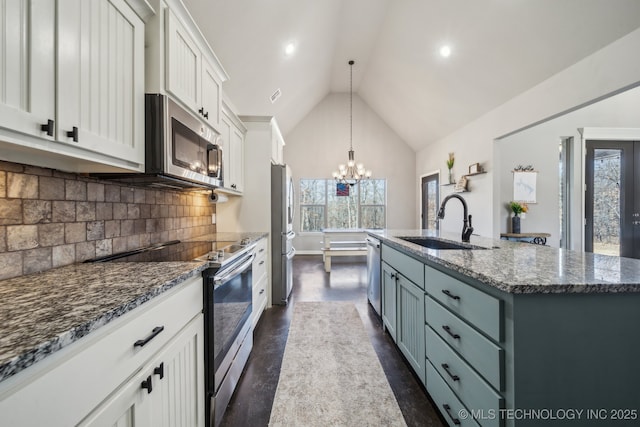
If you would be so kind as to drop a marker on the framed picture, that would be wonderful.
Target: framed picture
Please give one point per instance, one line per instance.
(524, 186)
(475, 168)
(461, 185)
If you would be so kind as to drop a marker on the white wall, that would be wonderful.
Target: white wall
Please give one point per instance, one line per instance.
(316, 146)
(538, 146)
(607, 71)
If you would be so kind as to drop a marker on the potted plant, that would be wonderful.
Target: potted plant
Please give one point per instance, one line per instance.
(450, 162)
(517, 208)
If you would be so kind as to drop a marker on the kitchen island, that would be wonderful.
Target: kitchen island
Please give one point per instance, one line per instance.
(513, 334)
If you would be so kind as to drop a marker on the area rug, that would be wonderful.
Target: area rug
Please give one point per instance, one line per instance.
(330, 373)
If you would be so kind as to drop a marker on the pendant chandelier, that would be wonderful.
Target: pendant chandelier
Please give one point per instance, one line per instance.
(352, 172)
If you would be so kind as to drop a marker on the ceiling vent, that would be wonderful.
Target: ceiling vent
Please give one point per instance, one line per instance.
(275, 96)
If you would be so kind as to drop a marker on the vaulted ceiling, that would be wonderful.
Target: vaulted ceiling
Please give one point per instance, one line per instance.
(500, 48)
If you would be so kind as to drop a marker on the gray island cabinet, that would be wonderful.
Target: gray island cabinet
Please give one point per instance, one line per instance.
(526, 353)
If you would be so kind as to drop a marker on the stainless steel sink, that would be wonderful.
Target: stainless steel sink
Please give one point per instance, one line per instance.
(432, 243)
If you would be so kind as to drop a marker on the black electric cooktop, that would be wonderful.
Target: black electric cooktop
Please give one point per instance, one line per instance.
(176, 250)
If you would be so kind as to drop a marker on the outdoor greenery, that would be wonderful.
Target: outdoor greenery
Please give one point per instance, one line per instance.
(321, 207)
(606, 201)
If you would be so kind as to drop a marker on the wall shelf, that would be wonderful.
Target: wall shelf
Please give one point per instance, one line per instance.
(477, 173)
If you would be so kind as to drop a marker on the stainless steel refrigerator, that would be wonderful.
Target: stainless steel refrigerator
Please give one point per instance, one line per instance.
(282, 250)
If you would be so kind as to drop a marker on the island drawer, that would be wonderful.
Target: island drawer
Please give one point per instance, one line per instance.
(446, 401)
(474, 392)
(410, 268)
(478, 308)
(484, 356)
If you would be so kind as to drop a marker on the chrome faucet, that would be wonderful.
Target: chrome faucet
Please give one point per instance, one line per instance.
(467, 229)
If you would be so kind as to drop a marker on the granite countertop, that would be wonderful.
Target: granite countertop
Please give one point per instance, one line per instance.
(44, 312)
(521, 268)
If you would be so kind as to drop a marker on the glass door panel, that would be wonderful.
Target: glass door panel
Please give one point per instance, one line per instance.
(430, 195)
(610, 198)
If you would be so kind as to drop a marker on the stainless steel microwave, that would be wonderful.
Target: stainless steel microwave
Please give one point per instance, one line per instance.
(180, 145)
(181, 151)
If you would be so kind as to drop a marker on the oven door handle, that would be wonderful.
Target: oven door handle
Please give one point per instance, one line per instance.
(235, 272)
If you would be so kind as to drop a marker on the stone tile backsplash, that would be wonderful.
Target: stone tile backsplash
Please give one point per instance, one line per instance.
(49, 218)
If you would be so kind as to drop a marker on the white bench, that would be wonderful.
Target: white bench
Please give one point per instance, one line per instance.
(334, 245)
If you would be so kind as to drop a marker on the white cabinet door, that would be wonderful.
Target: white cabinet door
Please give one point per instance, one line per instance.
(184, 65)
(237, 158)
(100, 77)
(27, 66)
(130, 406)
(178, 398)
(211, 94)
(277, 145)
(225, 135)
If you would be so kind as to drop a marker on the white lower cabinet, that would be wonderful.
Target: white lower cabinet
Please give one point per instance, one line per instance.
(97, 380)
(260, 279)
(168, 391)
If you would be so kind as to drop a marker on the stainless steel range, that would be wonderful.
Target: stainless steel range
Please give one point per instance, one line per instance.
(227, 309)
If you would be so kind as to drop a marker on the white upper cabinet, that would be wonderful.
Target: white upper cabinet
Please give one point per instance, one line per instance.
(184, 64)
(232, 131)
(190, 75)
(100, 77)
(277, 146)
(237, 159)
(72, 92)
(211, 93)
(27, 61)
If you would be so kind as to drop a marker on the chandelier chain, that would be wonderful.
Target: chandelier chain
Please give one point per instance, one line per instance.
(352, 172)
(351, 105)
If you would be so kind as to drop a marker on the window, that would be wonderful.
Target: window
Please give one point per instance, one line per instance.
(321, 207)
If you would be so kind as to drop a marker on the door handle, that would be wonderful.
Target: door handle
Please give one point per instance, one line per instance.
(154, 333)
(147, 384)
(73, 134)
(159, 370)
(48, 127)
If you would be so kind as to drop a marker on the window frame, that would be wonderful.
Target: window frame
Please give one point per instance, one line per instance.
(329, 185)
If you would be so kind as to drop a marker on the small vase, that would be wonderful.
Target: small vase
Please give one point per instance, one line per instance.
(515, 224)
(451, 180)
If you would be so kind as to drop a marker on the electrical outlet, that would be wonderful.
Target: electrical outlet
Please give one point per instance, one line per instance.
(213, 218)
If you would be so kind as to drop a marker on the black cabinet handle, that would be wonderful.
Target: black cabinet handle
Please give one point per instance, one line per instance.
(261, 262)
(73, 134)
(201, 111)
(446, 368)
(233, 186)
(48, 127)
(261, 291)
(154, 333)
(206, 115)
(448, 330)
(393, 275)
(447, 408)
(261, 250)
(159, 370)
(147, 384)
(450, 295)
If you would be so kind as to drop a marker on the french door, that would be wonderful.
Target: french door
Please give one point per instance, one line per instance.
(612, 175)
(430, 200)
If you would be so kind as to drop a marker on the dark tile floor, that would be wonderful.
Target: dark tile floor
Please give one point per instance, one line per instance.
(253, 398)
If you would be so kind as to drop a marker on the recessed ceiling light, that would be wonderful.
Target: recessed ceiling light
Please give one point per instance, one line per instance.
(445, 51)
(289, 49)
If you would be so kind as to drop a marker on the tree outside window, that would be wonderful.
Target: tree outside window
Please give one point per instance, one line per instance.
(320, 207)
